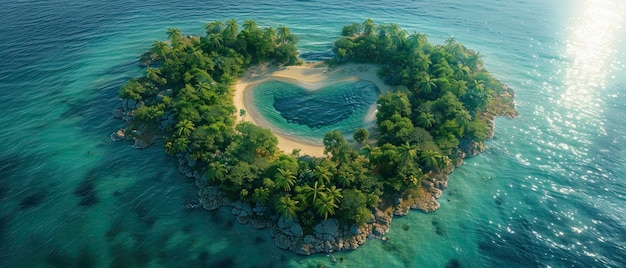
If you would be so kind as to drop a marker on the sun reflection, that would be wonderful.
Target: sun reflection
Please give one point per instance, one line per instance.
(591, 47)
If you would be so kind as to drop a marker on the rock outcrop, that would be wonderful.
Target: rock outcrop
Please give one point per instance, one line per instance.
(288, 234)
(327, 236)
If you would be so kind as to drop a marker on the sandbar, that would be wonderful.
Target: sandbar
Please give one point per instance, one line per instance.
(310, 76)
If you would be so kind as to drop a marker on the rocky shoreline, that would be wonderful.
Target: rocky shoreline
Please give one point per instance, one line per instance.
(329, 235)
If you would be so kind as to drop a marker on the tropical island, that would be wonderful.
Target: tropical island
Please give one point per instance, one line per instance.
(436, 106)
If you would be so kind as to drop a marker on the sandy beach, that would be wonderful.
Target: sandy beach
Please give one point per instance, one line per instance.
(310, 76)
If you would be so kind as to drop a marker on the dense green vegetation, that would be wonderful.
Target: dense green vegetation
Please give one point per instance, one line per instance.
(442, 97)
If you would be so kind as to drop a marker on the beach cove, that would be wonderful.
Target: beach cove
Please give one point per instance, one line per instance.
(311, 76)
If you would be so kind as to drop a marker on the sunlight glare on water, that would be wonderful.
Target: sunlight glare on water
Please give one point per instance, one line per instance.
(592, 42)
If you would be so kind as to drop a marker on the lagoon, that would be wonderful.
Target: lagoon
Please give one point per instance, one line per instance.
(310, 113)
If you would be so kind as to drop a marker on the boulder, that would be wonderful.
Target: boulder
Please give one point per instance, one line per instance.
(308, 239)
(125, 105)
(259, 210)
(143, 143)
(289, 227)
(119, 135)
(259, 223)
(118, 113)
(282, 241)
(354, 230)
(329, 226)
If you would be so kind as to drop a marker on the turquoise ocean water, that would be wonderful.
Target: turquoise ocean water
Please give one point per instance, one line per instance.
(71, 198)
(307, 115)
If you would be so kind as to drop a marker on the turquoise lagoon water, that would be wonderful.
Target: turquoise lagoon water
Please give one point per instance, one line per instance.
(308, 114)
(71, 198)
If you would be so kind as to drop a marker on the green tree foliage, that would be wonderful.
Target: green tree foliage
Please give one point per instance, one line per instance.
(252, 142)
(184, 128)
(132, 90)
(287, 207)
(285, 179)
(361, 135)
(325, 206)
(441, 97)
(354, 207)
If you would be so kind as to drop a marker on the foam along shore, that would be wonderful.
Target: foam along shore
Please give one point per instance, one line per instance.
(310, 76)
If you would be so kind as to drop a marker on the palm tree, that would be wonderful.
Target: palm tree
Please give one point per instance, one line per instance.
(161, 49)
(366, 150)
(216, 40)
(287, 207)
(474, 61)
(426, 84)
(478, 85)
(322, 174)
(214, 27)
(270, 34)
(453, 47)
(361, 135)
(196, 53)
(462, 71)
(285, 179)
(325, 205)
(345, 177)
(312, 193)
(463, 118)
(423, 61)
(153, 74)
(459, 87)
(242, 113)
(368, 26)
(203, 87)
(451, 41)
(283, 33)
(407, 152)
(261, 195)
(397, 35)
(383, 32)
(232, 29)
(217, 171)
(426, 120)
(430, 158)
(335, 193)
(417, 40)
(181, 144)
(250, 25)
(185, 127)
(174, 35)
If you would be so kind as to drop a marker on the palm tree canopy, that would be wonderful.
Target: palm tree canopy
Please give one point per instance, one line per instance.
(250, 25)
(314, 192)
(287, 207)
(368, 26)
(326, 206)
(285, 179)
(184, 127)
(214, 27)
(232, 29)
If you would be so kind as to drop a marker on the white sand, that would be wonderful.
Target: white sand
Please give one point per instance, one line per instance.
(311, 77)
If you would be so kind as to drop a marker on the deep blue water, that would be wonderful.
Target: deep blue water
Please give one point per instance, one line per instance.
(70, 197)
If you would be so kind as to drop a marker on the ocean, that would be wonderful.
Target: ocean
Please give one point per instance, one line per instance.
(550, 191)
